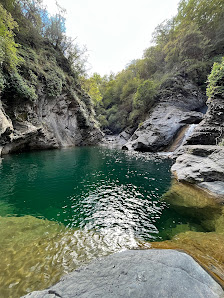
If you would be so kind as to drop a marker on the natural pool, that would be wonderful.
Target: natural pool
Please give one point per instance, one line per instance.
(60, 209)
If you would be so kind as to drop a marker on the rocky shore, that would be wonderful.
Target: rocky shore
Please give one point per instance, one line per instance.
(200, 160)
(137, 273)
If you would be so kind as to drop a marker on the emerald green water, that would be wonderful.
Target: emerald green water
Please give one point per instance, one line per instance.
(60, 209)
(91, 188)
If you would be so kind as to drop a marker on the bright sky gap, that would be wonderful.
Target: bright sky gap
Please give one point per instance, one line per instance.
(114, 32)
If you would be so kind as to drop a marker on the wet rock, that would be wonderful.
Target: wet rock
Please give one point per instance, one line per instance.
(158, 132)
(202, 165)
(175, 109)
(211, 130)
(142, 273)
(194, 203)
(117, 141)
(6, 127)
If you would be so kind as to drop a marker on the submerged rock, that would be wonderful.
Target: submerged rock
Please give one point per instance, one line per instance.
(207, 213)
(194, 203)
(142, 273)
(206, 248)
(36, 253)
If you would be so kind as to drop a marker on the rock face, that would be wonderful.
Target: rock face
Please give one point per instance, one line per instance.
(211, 130)
(117, 141)
(146, 273)
(202, 165)
(175, 109)
(47, 123)
(202, 161)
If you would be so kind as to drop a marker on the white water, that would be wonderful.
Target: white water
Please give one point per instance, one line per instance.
(188, 133)
(180, 143)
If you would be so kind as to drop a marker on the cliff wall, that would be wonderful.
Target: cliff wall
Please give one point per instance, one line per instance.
(47, 123)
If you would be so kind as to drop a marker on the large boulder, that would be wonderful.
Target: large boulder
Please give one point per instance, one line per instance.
(137, 273)
(202, 165)
(211, 130)
(159, 131)
(177, 107)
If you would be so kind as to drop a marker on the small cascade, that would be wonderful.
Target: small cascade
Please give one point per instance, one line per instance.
(188, 133)
(181, 137)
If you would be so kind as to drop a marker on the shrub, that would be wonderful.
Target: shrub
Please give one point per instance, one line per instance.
(22, 87)
(216, 80)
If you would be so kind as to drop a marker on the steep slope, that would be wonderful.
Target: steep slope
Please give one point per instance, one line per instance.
(42, 104)
(46, 123)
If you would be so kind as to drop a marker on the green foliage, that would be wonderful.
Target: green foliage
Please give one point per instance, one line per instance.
(216, 80)
(48, 60)
(91, 86)
(185, 46)
(2, 81)
(206, 14)
(145, 95)
(22, 87)
(129, 88)
(103, 121)
(8, 48)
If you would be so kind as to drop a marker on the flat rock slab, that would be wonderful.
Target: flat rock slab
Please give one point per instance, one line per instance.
(137, 273)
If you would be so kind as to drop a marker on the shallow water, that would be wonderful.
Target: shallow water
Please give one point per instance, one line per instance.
(60, 209)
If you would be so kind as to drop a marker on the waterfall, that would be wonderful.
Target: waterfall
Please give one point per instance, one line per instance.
(188, 133)
(181, 137)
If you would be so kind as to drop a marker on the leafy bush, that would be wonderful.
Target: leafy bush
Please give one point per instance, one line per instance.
(144, 97)
(2, 81)
(22, 87)
(216, 80)
(54, 83)
(103, 121)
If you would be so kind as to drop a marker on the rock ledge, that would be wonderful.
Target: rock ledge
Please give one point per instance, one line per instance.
(137, 273)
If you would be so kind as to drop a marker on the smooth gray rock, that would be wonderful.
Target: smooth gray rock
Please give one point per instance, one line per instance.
(174, 110)
(158, 132)
(140, 273)
(117, 141)
(216, 187)
(211, 130)
(47, 123)
(203, 165)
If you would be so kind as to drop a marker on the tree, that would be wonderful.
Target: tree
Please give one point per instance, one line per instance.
(8, 48)
(216, 80)
(206, 14)
(55, 31)
(91, 86)
(145, 95)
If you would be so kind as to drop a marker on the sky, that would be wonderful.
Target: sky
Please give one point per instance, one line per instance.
(114, 32)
